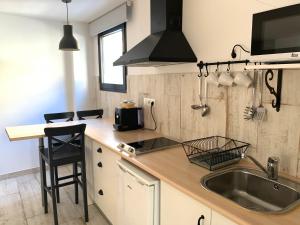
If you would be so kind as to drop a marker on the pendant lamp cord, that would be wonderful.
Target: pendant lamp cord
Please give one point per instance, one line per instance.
(67, 14)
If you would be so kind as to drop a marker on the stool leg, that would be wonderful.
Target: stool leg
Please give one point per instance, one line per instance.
(56, 183)
(41, 149)
(53, 191)
(84, 191)
(75, 172)
(44, 185)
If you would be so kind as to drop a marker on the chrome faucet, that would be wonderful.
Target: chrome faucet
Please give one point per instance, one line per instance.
(272, 166)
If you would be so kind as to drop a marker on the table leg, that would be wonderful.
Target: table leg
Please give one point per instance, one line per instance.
(41, 147)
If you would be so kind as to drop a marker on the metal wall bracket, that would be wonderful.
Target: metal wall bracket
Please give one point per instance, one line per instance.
(268, 77)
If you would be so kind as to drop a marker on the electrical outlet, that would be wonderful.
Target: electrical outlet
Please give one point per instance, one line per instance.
(148, 101)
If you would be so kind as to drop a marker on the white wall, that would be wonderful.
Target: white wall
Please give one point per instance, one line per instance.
(212, 28)
(37, 78)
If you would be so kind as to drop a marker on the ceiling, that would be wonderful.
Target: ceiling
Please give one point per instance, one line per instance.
(79, 10)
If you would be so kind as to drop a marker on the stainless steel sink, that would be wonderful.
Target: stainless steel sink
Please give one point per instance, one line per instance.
(251, 189)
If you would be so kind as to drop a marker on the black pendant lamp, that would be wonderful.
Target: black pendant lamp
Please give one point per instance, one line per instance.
(68, 42)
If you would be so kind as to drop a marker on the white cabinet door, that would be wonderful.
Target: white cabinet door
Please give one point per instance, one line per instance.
(138, 200)
(178, 208)
(106, 181)
(217, 219)
(89, 169)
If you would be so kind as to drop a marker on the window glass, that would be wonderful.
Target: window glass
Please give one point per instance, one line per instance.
(111, 47)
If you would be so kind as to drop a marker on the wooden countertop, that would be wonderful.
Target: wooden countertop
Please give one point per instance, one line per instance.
(170, 166)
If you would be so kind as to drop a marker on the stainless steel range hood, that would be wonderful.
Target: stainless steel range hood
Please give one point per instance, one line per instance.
(166, 45)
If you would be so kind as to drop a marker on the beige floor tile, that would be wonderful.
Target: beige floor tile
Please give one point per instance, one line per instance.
(44, 219)
(29, 189)
(8, 186)
(11, 207)
(13, 222)
(33, 206)
(78, 221)
(25, 178)
(95, 217)
(25, 206)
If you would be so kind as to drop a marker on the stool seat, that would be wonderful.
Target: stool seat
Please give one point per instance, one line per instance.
(66, 155)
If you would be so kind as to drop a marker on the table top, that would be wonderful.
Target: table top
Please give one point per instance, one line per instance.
(27, 132)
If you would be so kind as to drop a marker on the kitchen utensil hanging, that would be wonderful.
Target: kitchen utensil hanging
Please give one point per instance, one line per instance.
(205, 109)
(250, 111)
(200, 106)
(261, 111)
(276, 103)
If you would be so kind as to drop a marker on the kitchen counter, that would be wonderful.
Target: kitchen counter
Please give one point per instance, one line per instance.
(173, 167)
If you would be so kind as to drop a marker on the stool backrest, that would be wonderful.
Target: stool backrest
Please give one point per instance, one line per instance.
(98, 113)
(58, 134)
(67, 116)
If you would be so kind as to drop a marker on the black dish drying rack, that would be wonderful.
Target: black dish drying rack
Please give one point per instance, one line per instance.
(214, 152)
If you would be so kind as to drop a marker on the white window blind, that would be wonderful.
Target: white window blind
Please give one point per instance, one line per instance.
(111, 19)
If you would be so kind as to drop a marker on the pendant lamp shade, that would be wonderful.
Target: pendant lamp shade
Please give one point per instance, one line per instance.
(68, 42)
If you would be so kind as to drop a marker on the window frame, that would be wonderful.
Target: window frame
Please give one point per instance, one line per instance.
(106, 86)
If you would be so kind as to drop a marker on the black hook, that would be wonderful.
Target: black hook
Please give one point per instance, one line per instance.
(228, 69)
(206, 67)
(217, 69)
(200, 74)
(246, 64)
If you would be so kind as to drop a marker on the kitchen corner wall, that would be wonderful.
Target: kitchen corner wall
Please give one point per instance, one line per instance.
(212, 28)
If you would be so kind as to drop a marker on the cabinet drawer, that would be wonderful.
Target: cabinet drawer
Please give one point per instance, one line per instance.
(106, 180)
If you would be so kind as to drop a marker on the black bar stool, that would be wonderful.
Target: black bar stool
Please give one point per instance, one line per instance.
(98, 113)
(51, 118)
(66, 153)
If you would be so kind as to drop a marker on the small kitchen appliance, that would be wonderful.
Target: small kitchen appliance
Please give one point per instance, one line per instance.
(138, 196)
(275, 35)
(128, 119)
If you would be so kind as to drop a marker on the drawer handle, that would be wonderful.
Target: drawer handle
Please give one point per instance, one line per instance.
(200, 218)
(100, 192)
(99, 164)
(99, 150)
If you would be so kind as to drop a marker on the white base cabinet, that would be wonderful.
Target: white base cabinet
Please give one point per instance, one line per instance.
(179, 209)
(106, 181)
(217, 219)
(176, 208)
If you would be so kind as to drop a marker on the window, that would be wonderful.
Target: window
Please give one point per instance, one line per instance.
(112, 44)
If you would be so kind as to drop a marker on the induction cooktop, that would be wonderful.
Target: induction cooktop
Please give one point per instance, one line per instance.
(146, 146)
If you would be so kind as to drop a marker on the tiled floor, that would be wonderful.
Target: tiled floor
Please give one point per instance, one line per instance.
(20, 204)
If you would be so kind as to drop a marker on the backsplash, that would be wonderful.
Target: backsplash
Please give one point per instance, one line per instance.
(174, 94)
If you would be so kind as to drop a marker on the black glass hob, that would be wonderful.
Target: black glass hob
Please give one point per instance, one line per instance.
(151, 145)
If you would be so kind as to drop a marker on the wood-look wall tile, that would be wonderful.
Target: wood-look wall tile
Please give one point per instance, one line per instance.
(279, 136)
(175, 93)
(193, 125)
(172, 84)
(290, 88)
(237, 127)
